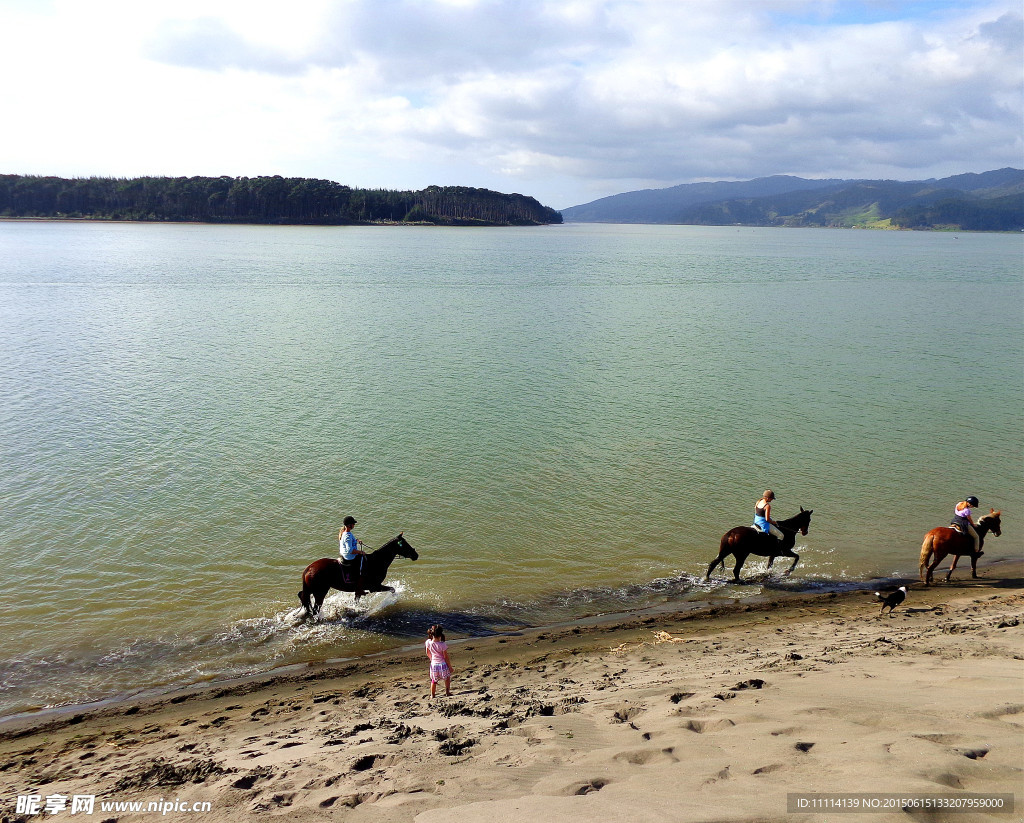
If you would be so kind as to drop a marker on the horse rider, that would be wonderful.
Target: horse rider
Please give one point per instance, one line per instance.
(963, 521)
(351, 550)
(763, 516)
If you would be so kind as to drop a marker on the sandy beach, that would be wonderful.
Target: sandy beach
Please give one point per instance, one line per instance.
(725, 713)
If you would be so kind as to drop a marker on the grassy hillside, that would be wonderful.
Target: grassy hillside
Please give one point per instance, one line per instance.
(992, 201)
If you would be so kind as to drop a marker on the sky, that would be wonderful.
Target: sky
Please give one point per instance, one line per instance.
(563, 100)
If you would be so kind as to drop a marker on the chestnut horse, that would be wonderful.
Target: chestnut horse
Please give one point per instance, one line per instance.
(327, 573)
(946, 540)
(746, 540)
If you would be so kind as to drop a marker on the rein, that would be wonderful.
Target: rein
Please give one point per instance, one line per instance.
(370, 550)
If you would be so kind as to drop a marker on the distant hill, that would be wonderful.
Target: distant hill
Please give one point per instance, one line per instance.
(992, 201)
(667, 205)
(275, 200)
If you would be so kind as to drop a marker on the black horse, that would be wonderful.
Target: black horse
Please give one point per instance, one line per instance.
(744, 541)
(327, 573)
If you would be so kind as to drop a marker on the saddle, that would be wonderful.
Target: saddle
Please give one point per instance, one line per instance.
(765, 537)
(350, 570)
(961, 531)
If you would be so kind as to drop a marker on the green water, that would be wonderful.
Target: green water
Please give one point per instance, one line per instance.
(562, 420)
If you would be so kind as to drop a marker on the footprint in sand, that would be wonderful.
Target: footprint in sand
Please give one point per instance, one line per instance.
(948, 779)
(722, 775)
(786, 731)
(704, 726)
(941, 739)
(753, 683)
(1004, 713)
(249, 780)
(367, 762)
(626, 713)
(595, 784)
(644, 757)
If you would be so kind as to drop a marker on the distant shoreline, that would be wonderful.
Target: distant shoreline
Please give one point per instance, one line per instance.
(390, 223)
(428, 224)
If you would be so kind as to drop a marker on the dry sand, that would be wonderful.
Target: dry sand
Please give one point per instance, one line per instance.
(709, 716)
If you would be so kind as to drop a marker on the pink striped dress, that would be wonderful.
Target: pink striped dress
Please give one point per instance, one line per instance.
(438, 664)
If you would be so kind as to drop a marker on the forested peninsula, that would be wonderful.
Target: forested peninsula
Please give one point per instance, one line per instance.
(266, 200)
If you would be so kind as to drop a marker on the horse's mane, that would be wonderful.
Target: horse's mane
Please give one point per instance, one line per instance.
(389, 545)
(789, 522)
(988, 518)
(386, 546)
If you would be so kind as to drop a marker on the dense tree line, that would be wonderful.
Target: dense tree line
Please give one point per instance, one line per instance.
(284, 200)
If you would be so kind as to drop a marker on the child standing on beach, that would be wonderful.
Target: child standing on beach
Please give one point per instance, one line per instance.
(440, 665)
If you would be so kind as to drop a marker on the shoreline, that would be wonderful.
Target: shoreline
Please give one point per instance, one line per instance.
(354, 224)
(713, 714)
(710, 605)
(483, 224)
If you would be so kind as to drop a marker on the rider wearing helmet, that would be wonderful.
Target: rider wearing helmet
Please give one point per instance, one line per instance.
(963, 521)
(763, 516)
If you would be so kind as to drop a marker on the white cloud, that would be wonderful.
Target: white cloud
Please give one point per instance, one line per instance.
(567, 101)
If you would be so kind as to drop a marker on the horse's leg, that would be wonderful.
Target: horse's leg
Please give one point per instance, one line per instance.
(974, 565)
(740, 558)
(770, 561)
(952, 566)
(796, 559)
(319, 595)
(304, 600)
(718, 560)
(937, 558)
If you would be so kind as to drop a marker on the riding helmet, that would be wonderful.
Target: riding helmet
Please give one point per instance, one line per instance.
(972, 501)
(349, 521)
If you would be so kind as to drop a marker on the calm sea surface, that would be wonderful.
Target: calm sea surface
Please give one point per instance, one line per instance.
(562, 420)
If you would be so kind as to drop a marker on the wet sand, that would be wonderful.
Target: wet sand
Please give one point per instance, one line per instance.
(717, 714)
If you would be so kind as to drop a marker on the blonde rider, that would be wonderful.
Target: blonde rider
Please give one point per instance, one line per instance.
(351, 550)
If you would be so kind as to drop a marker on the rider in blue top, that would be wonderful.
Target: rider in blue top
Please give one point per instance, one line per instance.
(763, 515)
(350, 549)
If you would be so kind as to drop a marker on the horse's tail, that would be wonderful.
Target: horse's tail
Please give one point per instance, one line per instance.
(724, 550)
(927, 549)
(304, 595)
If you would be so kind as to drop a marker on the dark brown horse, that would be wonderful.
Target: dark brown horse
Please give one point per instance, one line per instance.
(327, 573)
(946, 540)
(744, 541)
